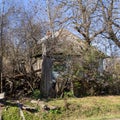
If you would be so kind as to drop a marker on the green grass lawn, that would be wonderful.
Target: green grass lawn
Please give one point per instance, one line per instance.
(88, 108)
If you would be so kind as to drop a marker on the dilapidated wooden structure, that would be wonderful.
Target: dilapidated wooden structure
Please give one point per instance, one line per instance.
(59, 53)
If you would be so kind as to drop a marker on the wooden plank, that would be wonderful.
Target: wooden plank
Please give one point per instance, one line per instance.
(2, 95)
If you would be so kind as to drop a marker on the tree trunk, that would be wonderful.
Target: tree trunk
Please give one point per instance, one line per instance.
(46, 81)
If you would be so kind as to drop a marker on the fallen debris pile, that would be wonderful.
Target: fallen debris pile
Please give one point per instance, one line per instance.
(21, 85)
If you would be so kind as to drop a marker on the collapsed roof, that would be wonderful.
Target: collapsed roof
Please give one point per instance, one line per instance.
(64, 42)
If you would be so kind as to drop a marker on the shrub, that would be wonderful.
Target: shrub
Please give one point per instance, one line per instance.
(36, 94)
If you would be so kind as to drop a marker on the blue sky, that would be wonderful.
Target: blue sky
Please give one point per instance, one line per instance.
(41, 6)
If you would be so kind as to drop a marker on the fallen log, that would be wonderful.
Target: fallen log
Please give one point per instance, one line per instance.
(21, 106)
(44, 106)
(20, 110)
(30, 109)
(49, 107)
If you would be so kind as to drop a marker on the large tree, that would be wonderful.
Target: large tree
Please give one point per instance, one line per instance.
(86, 18)
(110, 12)
(5, 13)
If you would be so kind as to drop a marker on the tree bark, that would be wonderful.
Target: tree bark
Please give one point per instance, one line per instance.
(46, 81)
(2, 47)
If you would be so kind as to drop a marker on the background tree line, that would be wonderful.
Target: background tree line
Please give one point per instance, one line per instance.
(22, 24)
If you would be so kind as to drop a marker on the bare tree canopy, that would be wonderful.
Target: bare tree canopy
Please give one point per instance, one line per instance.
(25, 22)
(111, 18)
